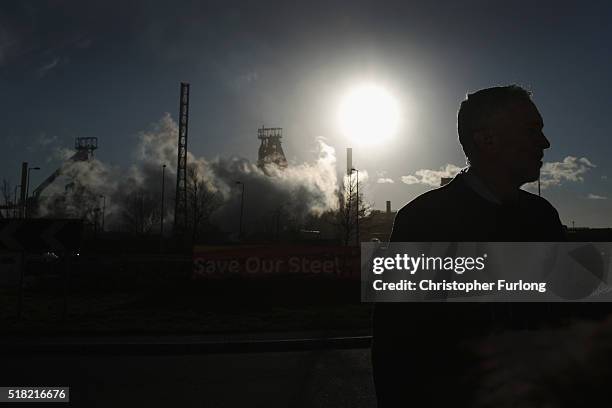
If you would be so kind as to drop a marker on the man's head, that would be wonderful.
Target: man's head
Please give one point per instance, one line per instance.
(501, 128)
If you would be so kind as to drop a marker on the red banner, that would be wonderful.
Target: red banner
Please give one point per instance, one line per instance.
(267, 260)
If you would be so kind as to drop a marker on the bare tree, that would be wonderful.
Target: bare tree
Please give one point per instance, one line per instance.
(351, 209)
(202, 201)
(6, 195)
(140, 212)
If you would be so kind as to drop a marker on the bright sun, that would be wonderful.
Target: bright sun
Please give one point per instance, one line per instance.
(368, 115)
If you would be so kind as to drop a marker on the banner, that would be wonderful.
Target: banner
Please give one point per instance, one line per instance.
(275, 260)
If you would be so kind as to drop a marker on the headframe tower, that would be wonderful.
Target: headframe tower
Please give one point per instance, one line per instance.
(270, 150)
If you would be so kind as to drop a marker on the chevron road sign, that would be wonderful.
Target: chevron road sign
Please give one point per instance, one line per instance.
(40, 235)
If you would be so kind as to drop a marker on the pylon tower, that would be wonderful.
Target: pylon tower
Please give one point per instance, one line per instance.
(180, 203)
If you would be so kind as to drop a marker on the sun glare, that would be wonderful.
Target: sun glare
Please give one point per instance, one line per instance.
(368, 115)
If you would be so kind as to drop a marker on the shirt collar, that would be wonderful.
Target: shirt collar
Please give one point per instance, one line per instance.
(477, 185)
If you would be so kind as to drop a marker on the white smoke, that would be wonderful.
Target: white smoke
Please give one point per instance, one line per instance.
(78, 190)
(299, 190)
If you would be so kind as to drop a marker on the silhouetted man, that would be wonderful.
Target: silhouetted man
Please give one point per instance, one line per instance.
(418, 352)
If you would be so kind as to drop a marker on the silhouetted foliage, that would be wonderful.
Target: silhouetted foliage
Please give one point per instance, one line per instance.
(141, 212)
(202, 201)
(6, 198)
(351, 209)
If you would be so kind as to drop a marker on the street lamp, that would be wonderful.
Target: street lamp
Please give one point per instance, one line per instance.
(28, 191)
(241, 209)
(161, 226)
(357, 171)
(103, 197)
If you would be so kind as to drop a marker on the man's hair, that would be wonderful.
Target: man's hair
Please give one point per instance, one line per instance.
(477, 110)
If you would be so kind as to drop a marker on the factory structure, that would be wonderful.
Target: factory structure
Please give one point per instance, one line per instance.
(26, 205)
(270, 154)
(374, 226)
(84, 151)
(180, 201)
(270, 149)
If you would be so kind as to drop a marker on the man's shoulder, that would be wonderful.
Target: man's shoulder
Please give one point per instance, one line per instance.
(441, 198)
(429, 200)
(423, 218)
(418, 217)
(536, 202)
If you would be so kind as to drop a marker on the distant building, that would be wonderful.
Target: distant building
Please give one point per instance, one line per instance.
(588, 234)
(377, 225)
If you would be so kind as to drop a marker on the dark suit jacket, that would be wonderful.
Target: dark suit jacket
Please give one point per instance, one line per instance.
(455, 212)
(416, 342)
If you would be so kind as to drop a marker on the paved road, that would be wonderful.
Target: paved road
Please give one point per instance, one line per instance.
(319, 378)
(545, 368)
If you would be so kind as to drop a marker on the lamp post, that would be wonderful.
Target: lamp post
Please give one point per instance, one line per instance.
(103, 197)
(161, 225)
(15, 201)
(241, 209)
(27, 206)
(357, 203)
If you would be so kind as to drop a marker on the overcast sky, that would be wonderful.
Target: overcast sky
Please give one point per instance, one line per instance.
(111, 69)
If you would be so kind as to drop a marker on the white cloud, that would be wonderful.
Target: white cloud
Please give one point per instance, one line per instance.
(385, 181)
(596, 197)
(431, 177)
(382, 178)
(410, 179)
(570, 169)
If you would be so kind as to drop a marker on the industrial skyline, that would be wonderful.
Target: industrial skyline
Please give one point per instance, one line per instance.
(68, 73)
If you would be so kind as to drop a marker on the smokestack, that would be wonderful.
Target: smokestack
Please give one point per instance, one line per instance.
(349, 160)
(388, 207)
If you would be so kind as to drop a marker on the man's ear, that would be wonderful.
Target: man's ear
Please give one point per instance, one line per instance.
(484, 140)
